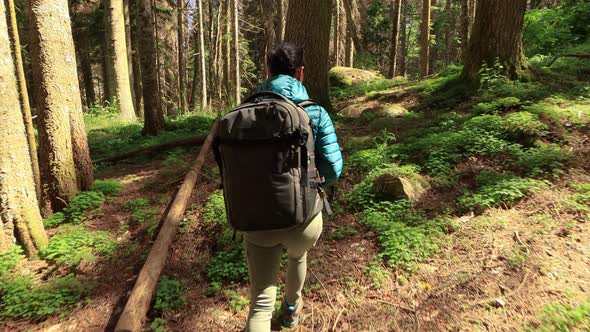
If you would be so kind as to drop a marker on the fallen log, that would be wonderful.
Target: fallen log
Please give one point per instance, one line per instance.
(138, 304)
(196, 140)
(576, 55)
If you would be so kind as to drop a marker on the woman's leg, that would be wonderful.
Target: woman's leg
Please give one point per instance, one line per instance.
(263, 268)
(297, 248)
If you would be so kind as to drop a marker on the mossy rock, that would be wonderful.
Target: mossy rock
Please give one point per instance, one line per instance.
(396, 186)
(346, 76)
(384, 111)
(352, 111)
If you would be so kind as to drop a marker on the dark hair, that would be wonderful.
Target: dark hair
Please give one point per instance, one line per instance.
(285, 58)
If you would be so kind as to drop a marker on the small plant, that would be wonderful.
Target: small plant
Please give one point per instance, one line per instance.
(580, 201)
(74, 244)
(79, 205)
(499, 105)
(518, 258)
(9, 259)
(215, 208)
(377, 274)
(343, 232)
(228, 264)
(142, 212)
(237, 302)
(24, 298)
(544, 160)
(497, 189)
(563, 317)
(169, 295)
(159, 325)
(108, 187)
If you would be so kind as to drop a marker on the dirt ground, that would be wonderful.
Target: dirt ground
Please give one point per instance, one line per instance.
(474, 284)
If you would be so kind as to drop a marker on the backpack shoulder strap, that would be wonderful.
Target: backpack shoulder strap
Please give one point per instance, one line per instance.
(262, 94)
(307, 103)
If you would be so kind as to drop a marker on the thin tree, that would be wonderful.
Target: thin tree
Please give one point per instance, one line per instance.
(19, 208)
(129, 46)
(236, 39)
(282, 22)
(403, 68)
(181, 60)
(499, 24)
(119, 58)
(308, 25)
(465, 23)
(153, 116)
(336, 36)
(352, 20)
(424, 58)
(24, 95)
(396, 10)
(202, 58)
(267, 8)
(135, 58)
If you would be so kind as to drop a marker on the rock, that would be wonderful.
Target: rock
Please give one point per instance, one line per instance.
(352, 111)
(345, 76)
(499, 303)
(400, 186)
(384, 111)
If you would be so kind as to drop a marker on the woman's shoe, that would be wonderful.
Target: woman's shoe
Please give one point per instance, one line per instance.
(290, 314)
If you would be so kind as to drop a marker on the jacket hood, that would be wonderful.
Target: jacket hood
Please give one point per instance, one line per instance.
(286, 85)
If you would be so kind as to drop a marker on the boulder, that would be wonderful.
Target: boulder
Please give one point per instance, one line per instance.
(396, 186)
(352, 110)
(384, 111)
(346, 76)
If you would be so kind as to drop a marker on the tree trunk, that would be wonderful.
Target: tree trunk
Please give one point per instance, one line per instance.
(395, 19)
(424, 39)
(85, 66)
(19, 207)
(434, 46)
(465, 23)
(308, 25)
(352, 20)
(203, 59)
(58, 96)
(224, 55)
(118, 47)
(403, 67)
(281, 12)
(336, 36)
(499, 24)
(153, 116)
(109, 79)
(181, 60)
(135, 59)
(267, 10)
(349, 51)
(24, 96)
(129, 57)
(236, 37)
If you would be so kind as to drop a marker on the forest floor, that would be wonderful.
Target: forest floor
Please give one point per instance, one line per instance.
(521, 264)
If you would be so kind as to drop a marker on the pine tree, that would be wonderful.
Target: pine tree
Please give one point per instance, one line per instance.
(396, 10)
(236, 39)
(308, 25)
(424, 60)
(499, 24)
(202, 57)
(19, 208)
(181, 59)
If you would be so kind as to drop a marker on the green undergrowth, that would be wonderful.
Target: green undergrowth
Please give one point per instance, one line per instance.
(107, 135)
(228, 262)
(169, 295)
(77, 208)
(25, 296)
(565, 317)
(74, 244)
(143, 212)
(579, 201)
(365, 89)
(108, 187)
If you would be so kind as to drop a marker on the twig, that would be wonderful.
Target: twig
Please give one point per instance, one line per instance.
(324, 288)
(509, 295)
(519, 240)
(397, 306)
(338, 318)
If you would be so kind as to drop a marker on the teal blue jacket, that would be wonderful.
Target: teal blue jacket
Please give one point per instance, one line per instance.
(327, 150)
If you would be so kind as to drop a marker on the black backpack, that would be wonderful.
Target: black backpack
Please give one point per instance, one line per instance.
(265, 152)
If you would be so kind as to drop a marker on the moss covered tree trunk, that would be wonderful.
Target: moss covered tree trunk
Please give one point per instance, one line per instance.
(496, 36)
(153, 116)
(57, 97)
(19, 208)
(24, 95)
(118, 46)
(308, 25)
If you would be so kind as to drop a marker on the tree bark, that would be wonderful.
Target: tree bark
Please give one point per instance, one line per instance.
(308, 25)
(465, 23)
(499, 24)
(135, 59)
(181, 60)
(19, 207)
(24, 96)
(336, 36)
(395, 20)
(129, 57)
(267, 10)
(236, 38)
(403, 67)
(153, 116)
(424, 39)
(118, 44)
(202, 58)
(352, 20)
(281, 12)
(58, 96)
(349, 49)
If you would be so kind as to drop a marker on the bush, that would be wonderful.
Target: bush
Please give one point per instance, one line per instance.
(74, 244)
(544, 160)
(79, 205)
(10, 259)
(169, 295)
(497, 189)
(108, 187)
(23, 298)
(524, 124)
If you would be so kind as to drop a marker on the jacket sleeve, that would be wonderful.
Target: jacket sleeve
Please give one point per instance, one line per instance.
(327, 151)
